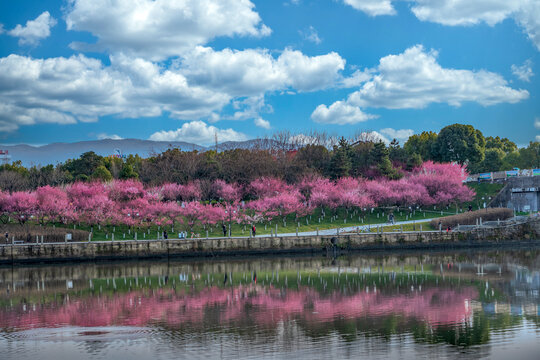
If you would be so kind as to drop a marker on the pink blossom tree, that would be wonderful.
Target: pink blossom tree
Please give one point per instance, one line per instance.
(22, 205)
(52, 204)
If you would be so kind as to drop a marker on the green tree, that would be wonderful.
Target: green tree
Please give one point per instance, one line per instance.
(493, 160)
(422, 144)
(101, 173)
(340, 164)
(86, 164)
(503, 144)
(128, 172)
(461, 143)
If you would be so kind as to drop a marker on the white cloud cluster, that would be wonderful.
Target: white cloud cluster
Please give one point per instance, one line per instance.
(526, 13)
(260, 122)
(402, 135)
(255, 71)
(413, 80)
(200, 133)
(67, 90)
(64, 90)
(339, 113)
(372, 7)
(537, 125)
(158, 29)
(198, 82)
(104, 136)
(34, 30)
(523, 72)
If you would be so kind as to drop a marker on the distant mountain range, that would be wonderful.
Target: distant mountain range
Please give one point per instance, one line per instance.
(60, 152)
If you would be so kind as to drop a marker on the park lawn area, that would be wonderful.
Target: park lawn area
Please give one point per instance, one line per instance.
(484, 191)
(333, 219)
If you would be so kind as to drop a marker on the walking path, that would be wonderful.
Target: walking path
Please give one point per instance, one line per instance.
(336, 231)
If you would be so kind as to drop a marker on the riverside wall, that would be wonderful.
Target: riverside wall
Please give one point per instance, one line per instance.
(523, 234)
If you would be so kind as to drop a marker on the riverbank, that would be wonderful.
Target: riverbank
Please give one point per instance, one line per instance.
(525, 234)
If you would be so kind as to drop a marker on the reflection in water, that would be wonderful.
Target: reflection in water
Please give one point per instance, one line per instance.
(301, 304)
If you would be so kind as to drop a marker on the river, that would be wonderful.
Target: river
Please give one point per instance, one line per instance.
(470, 305)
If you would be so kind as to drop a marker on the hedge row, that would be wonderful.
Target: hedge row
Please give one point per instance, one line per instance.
(471, 217)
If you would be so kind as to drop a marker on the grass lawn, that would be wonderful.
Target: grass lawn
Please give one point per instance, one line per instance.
(309, 223)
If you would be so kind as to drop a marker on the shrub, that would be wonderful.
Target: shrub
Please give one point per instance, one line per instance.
(470, 218)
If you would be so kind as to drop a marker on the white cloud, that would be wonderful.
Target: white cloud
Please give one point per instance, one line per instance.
(525, 13)
(465, 12)
(340, 113)
(64, 90)
(2, 28)
(356, 79)
(34, 30)
(372, 7)
(402, 135)
(158, 29)
(537, 123)
(255, 71)
(311, 35)
(373, 136)
(198, 132)
(523, 72)
(414, 79)
(260, 122)
(104, 136)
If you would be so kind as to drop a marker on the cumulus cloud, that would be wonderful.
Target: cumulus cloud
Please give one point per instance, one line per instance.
(198, 132)
(311, 35)
(537, 123)
(402, 135)
(34, 30)
(414, 80)
(158, 29)
(525, 13)
(340, 113)
(104, 136)
(64, 90)
(255, 71)
(523, 72)
(260, 122)
(195, 87)
(372, 7)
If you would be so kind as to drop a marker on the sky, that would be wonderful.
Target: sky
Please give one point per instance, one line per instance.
(185, 70)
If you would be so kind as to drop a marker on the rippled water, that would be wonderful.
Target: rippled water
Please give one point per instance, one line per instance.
(471, 305)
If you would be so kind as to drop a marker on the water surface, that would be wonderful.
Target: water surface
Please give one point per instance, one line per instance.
(471, 305)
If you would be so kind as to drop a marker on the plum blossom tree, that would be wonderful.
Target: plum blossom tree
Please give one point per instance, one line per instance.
(90, 203)
(52, 205)
(22, 206)
(267, 187)
(228, 192)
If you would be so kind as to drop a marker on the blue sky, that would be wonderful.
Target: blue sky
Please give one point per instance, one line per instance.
(73, 70)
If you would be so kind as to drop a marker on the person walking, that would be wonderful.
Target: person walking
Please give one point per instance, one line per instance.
(253, 230)
(224, 228)
(165, 235)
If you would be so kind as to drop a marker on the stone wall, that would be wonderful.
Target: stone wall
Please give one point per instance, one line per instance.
(95, 251)
(519, 201)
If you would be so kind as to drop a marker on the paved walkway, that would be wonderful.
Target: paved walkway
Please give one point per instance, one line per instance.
(361, 228)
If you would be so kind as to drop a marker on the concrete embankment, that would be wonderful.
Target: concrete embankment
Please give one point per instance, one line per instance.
(527, 234)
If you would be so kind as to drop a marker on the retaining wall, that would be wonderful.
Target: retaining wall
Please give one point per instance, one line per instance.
(108, 250)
